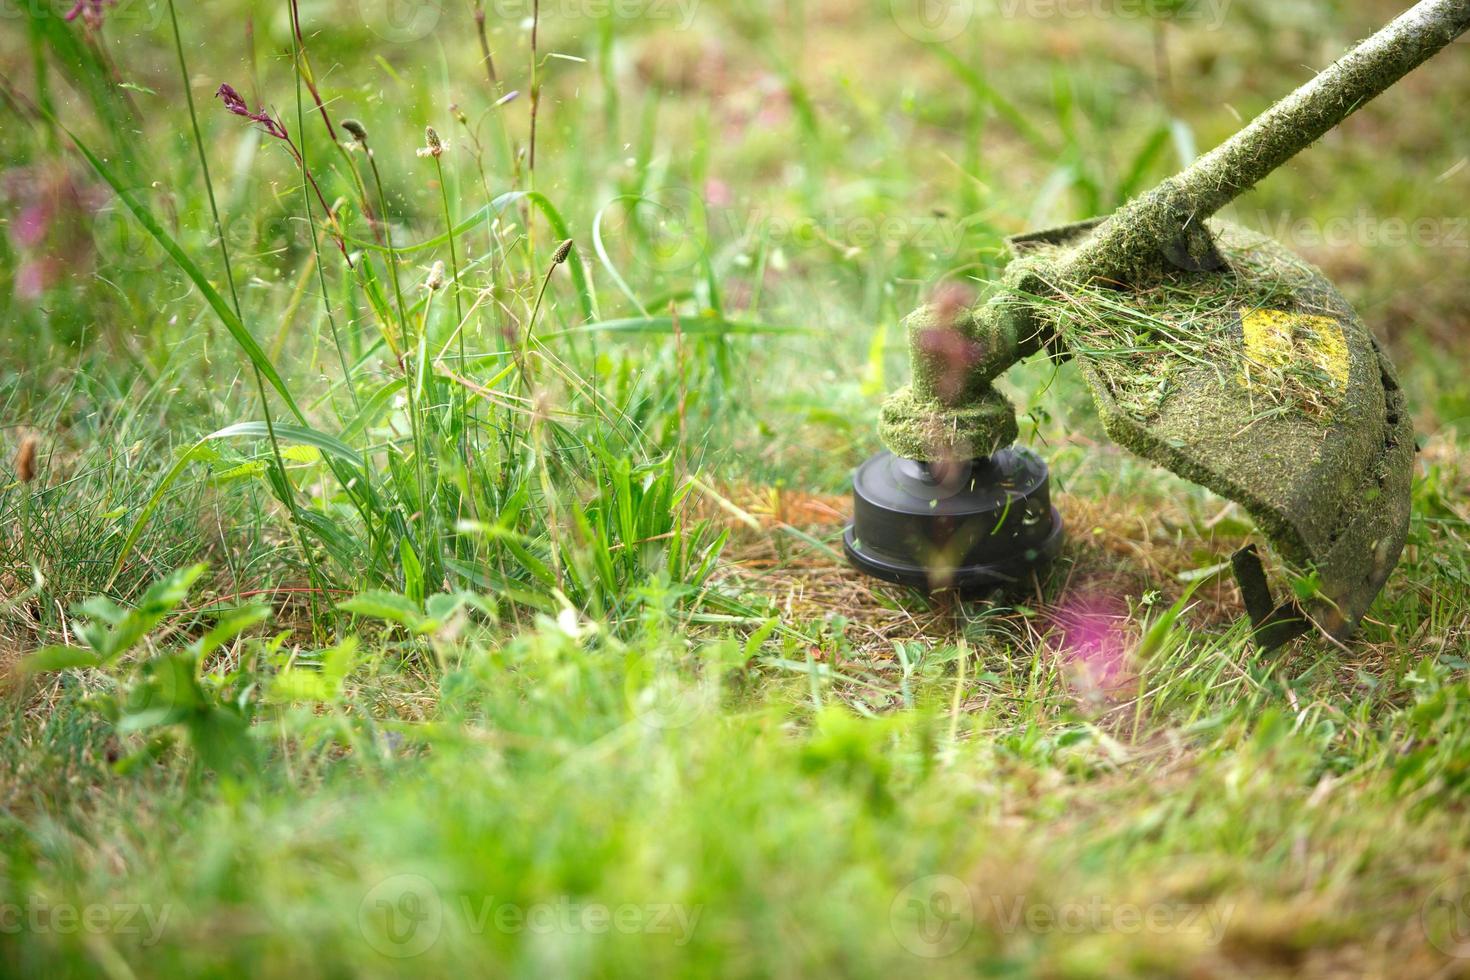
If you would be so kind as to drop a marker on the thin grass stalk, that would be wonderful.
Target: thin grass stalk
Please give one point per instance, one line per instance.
(492, 240)
(388, 248)
(562, 251)
(305, 74)
(408, 373)
(224, 249)
(535, 113)
(548, 492)
(538, 441)
(298, 53)
(467, 423)
(458, 304)
(94, 38)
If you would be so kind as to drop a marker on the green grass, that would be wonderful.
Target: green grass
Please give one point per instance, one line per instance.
(500, 626)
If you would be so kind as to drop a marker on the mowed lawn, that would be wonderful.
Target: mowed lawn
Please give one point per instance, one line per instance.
(420, 552)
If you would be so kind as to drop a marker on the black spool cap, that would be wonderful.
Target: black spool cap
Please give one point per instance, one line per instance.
(964, 526)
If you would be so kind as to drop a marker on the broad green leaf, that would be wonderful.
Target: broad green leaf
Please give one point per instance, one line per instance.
(114, 630)
(378, 604)
(230, 625)
(413, 572)
(245, 471)
(301, 454)
(60, 658)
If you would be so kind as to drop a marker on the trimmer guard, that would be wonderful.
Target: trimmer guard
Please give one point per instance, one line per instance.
(1258, 381)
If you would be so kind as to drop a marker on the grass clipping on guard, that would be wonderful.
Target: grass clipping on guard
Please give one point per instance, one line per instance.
(1257, 324)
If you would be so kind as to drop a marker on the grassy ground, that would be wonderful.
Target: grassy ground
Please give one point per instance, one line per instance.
(523, 648)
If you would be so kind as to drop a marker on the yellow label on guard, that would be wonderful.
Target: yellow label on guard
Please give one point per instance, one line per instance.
(1275, 340)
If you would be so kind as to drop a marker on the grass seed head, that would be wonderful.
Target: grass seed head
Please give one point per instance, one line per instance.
(434, 147)
(25, 460)
(356, 130)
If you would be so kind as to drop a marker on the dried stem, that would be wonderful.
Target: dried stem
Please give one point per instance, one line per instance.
(485, 44)
(535, 91)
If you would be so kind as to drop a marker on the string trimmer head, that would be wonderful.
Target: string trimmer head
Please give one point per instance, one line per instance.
(1210, 350)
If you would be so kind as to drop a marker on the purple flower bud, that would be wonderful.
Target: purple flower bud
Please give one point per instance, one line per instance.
(90, 11)
(235, 103)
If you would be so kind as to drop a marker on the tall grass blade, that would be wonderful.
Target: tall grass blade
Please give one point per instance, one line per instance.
(211, 295)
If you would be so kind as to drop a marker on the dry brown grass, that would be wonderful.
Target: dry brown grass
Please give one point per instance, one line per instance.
(1117, 552)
